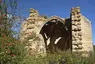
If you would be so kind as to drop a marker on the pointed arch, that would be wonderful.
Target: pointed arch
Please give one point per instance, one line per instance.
(53, 18)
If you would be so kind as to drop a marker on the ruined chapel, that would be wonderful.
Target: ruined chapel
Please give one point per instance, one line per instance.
(41, 34)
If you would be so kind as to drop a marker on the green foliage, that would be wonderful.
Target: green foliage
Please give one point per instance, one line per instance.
(11, 50)
(59, 58)
(18, 55)
(94, 47)
(5, 22)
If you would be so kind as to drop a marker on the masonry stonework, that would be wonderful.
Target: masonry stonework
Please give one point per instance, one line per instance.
(54, 33)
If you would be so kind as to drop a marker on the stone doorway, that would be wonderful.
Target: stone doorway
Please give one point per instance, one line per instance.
(56, 35)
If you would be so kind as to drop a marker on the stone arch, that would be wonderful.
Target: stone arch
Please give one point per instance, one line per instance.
(53, 17)
(52, 30)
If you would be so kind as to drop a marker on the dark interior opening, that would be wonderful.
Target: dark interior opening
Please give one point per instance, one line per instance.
(57, 35)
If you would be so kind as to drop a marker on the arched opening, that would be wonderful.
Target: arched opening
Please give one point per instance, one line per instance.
(56, 35)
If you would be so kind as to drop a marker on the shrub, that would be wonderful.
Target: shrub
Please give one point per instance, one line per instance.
(11, 50)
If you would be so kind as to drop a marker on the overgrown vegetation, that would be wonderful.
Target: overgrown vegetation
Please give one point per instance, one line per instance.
(60, 58)
(12, 51)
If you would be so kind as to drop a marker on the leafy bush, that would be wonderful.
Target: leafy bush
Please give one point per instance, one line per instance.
(11, 50)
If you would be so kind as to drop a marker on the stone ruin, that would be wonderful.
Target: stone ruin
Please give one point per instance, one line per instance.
(42, 34)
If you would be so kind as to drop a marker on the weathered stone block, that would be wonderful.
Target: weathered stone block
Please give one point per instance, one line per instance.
(78, 23)
(75, 28)
(30, 26)
(79, 33)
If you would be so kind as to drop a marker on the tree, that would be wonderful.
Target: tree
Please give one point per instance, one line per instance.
(5, 22)
(11, 50)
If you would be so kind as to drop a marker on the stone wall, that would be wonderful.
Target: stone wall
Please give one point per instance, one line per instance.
(86, 34)
(30, 36)
(77, 27)
(81, 32)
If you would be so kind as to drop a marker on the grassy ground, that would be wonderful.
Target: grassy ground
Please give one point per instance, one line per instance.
(13, 52)
(61, 58)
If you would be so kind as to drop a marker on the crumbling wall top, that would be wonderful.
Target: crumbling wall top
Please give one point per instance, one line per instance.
(33, 10)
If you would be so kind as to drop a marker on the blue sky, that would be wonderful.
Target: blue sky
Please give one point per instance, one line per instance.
(60, 8)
